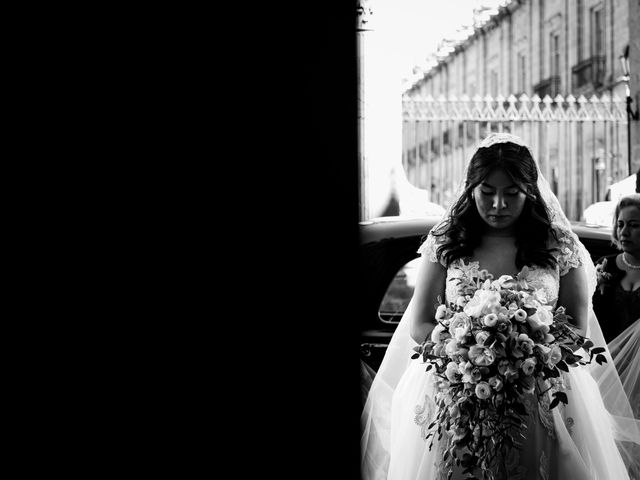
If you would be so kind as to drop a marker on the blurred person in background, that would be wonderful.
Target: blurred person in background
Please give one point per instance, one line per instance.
(616, 300)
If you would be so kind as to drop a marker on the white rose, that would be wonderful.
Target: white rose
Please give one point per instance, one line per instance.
(441, 311)
(483, 302)
(520, 315)
(528, 366)
(435, 333)
(452, 371)
(483, 390)
(545, 315)
(490, 320)
(460, 326)
(541, 320)
(461, 301)
(451, 347)
(505, 281)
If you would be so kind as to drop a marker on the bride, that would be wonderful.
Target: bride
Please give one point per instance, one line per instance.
(506, 221)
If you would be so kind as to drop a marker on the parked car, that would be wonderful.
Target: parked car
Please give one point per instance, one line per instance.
(601, 213)
(388, 249)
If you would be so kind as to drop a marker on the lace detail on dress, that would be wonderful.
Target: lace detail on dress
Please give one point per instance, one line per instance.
(537, 277)
(542, 278)
(440, 473)
(424, 413)
(569, 423)
(560, 384)
(544, 466)
(568, 255)
(429, 247)
(546, 416)
(514, 470)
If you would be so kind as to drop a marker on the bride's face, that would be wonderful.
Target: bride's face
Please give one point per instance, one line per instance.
(499, 201)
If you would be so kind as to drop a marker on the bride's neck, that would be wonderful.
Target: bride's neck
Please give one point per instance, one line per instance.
(498, 235)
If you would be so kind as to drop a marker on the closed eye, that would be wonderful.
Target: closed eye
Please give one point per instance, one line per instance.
(511, 192)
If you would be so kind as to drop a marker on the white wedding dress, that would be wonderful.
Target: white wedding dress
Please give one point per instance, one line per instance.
(576, 441)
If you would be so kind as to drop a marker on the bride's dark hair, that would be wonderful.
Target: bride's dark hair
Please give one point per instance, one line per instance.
(461, 232)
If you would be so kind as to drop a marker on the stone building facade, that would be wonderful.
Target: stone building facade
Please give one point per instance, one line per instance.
(543, 47)
(537, 46)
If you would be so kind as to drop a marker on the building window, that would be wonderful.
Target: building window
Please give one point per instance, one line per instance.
(580, 27)
(542, 36)
(522, 74)
(494, 84)
(555, 64)
(589, 73)
(597, 46)
(597, 29)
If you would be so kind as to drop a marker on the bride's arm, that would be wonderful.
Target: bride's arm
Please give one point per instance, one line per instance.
(430, 283)
(574, 296)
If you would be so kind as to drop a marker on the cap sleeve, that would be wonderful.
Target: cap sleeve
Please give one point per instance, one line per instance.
(429, 248)
(568, 250)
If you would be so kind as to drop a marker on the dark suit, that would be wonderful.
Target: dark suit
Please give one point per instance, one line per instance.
(615, 307)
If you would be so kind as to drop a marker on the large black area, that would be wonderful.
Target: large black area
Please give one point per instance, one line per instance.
(306, 408)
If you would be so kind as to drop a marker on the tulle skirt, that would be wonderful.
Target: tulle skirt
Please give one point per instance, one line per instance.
(568, 442)
(625, 350)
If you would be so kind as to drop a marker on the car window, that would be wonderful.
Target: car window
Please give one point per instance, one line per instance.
(399, 293)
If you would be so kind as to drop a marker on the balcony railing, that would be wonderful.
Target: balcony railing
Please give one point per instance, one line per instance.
(589, 73)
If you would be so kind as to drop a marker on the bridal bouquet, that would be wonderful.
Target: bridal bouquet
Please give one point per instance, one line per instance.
(488, 350)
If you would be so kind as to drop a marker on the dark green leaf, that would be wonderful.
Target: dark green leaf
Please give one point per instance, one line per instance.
(587, 345)
(571, 359)
(597, 350)
(554, 404)
(414, 356)
(601, 359)
(429, 368)
(562, 397)
(562, 366)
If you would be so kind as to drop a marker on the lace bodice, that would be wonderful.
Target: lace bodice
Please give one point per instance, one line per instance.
(568, 256)
(537, 277)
